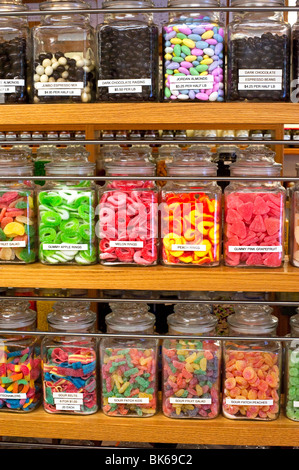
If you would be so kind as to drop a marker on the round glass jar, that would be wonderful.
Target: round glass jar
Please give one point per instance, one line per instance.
(44, 154)
(20, 361)
(254, 212)
(128, 54)
(258, 65)
(191, 214)
(14, 54)
(128, 214)
(129, 365)
(17, 209)
(69, 363)
(295, 59)
(226, 155)
(66, 213)
(193, 53)
(291, 371)
(294, 223)
(252, 368)
(191, 368)
(63, 55)
(166, 153)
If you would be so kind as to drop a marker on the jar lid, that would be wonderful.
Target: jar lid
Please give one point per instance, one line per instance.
(254, 3)
(71, 316)
(76, 151)
(64, 5)
(130, 163)
(256, 160)
(253, 319)
(169, 149)
(130, 317)
(46, 149)
(70, 165)
(228, 149)
(192, 318)
(16, 5)
(192, 163)
(15, 162)
(193, 4)
(127, 4)
(16, 314)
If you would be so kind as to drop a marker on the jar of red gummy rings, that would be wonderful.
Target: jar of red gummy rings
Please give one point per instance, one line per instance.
(20, 361)
(191, 368)
(128, 214)
(254, 213)
(129, 366)
(69, 363)
(252, 368)
(17, 209)
(191, 213)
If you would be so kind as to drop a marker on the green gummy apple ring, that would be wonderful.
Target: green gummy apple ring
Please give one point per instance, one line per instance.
(71, 224)
(47, 235)
(51, 218)
(85, 212)
(86, 232)
(65, 238)
(50, 198)
(81, 200)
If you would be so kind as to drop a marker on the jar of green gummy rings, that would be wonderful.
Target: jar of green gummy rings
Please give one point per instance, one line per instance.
(292, 371)
(66, 213)
(129, 365)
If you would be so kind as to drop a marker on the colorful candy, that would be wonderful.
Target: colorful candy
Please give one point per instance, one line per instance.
(193, 50)
(292, 371)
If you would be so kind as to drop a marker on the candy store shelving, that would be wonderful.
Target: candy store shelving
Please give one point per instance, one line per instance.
(93, 117)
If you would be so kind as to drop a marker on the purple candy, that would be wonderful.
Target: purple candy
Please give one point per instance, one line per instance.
(199, 30)
(172, 65)
(170, 35)
(185, 30)
(202, 97)
(212, 41)
(185, 64)
(218, 48)
(183, 70)
(191, 95)
(197, 52)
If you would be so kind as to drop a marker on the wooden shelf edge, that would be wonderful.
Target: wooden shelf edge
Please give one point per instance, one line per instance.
(221, 431)
(155, 278)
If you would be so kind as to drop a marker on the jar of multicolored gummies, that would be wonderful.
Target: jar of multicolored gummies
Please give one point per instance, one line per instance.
(254, 212)
(66, 211)
(191, 368)
(294, 223)
(191, 213)
(258, 65)
(69, 363)
(252, 368)
(17, 209)
(129, 366)
(292, 371)
(63, 55)
(14, 39)
(20, 361)
(193, 53)
(128, 213)
(128, 53)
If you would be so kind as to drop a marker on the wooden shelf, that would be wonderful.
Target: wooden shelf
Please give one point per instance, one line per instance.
(221, 431)
(285, 279)
(150, 115)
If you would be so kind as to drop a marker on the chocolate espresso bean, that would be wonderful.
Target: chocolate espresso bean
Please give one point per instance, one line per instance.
(13, 71)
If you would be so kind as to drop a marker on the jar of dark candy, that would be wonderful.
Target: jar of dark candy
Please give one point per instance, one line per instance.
(258, 53)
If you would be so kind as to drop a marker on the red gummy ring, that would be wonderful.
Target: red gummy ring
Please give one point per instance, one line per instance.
(125, 254)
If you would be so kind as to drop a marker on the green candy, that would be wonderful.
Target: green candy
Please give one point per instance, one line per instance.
(177, 50)
(2, 235)
(177, 59)
(51, 218)
(144, 383)
(130, 372)
(186, 50)
(167, 92)
(47, 235)
(181, 36)
(201, 68)
(193, 71)
(169, 71)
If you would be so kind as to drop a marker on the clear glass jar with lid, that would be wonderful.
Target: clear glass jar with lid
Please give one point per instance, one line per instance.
(294, 223)
(128, 53)
(63, 55)
(258, 65)
(165, 155)
(129, 365)
(193, 53)
(44, 154)
(191, 368)
(252, 368)
(20, 360)
(14, 53)
(66, 213)
(254, 212)
(128, 213)
(70, 362)
(191, 213)
(226, 155)
(295, 59)
(291, 370)
(106, 153)
(17, 209)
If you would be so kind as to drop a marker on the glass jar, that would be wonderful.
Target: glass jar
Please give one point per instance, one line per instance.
(291, 371)
(254, 212)
(63, 55)
(66, 212)
(166, 153)
(14, 54)
(128, 214)
(20, 361)
(295, 59)
(129, 366)
(69, 363)
(252, 368)
(107, 153)
(17, 209)
(128, 54)
(258, 64)
(191, 214)
(193, 53)
(191, 368)
(44, 154)
(226, 155)
(294, 223)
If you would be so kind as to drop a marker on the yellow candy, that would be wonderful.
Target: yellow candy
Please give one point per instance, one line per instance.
(144, 361)
(199, 390)
(203, 363)
(191, 58)
(189, 367)
(178, 410)
(206, 61)
(179, 393)
(189, 43)
(13, 229)
(148, 410)
(172, 378)
(176, 41)
(176, 71)
(30, 202)
(145, 395)
(207, 35)
(124, 387)
(191, 358)
(168, 57)
(176, 28)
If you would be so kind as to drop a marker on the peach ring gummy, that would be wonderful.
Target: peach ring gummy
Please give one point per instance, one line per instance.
(251, 385)
(190, 229)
